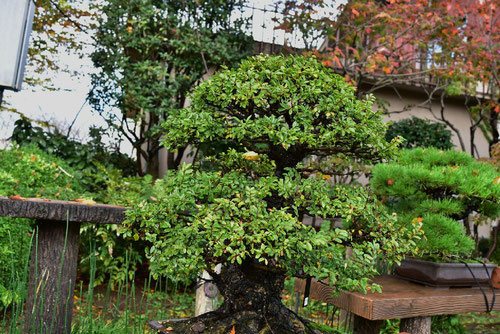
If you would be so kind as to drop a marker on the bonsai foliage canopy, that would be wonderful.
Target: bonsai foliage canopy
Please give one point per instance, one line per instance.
(243, 201)
(287, 108)
(440, 189)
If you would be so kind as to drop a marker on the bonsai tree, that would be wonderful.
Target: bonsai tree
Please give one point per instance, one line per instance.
(242, 203)
(441, 189)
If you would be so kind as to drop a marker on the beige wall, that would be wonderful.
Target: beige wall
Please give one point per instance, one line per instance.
(455, 112)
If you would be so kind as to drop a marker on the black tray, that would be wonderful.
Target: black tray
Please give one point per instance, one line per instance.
(445, 274)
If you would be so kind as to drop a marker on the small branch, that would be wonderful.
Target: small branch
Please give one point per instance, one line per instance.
(204, 62)
(69, 18)
(76, 117)
(65, 172)
(459, 136)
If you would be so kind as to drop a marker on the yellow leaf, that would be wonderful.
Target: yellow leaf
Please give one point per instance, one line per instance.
(251, 155)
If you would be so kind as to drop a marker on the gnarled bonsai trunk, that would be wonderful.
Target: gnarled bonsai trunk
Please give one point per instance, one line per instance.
(252, 304)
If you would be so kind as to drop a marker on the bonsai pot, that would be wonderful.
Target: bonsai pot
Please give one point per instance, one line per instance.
(445, 274)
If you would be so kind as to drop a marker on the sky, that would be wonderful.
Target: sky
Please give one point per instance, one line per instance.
(68, 104)
(59, 107)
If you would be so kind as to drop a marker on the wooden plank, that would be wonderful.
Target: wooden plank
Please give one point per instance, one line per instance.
(402, 299)
(54, 210)
(52, 276)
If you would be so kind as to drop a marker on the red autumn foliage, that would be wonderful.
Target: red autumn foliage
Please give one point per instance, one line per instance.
(455, 42)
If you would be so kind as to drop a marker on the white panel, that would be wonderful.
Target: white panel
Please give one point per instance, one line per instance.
(15, 28)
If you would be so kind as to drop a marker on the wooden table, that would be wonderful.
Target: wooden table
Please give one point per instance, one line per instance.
(54, 256)
(413, 303)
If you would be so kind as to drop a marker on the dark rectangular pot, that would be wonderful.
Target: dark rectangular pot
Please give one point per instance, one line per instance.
(445, 274)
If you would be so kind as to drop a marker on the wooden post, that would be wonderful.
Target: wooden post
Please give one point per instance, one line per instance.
(416, 325)
(365, 326)
(52, 276)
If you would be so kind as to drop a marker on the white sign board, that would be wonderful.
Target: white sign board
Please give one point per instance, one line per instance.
(16, 17)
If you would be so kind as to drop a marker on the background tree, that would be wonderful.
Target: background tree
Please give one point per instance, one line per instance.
(58, 26)
(242, 205)
(445, 47)
(150, 55)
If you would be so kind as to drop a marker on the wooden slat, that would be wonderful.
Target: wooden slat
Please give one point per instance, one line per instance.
(54, 210)
(403, 299)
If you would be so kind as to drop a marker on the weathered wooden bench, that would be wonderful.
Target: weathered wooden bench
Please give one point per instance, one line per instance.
(413, 303)
(54, 256)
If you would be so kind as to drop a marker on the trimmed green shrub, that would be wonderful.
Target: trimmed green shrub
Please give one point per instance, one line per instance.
(418, 132)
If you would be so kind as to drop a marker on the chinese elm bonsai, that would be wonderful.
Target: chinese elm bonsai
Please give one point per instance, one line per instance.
(260, 129)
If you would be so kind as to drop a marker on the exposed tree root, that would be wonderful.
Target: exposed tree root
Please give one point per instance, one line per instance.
(252, 305)
(244, 322)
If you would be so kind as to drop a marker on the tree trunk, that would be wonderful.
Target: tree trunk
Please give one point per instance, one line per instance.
(252, 305)
(153, 165)
(494, 128)
(494, 236)
(152, 146)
